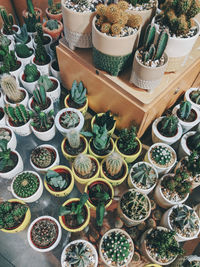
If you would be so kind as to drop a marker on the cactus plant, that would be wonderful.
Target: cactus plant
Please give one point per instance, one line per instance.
(10, 88)
(127, 142)
(42, 121)
(73, 138)
(45, 82)
(56, 181)
(193, 163)
(114, 163)
(69, 120)
(6, 159)
(31, 73)
(168, 126)
(54, 8)
(52, 24)
(5, 134)
(193, 142)
(195, 96)
(23, 51)
(185, 110)
(78, 93)
(83, 164)
(42, 157)
(9, 59)
(7, 22)
(31, 19)
(17, 115)
(22, 37)
(106, 118)
(40, 98)
(101, 138)
(161, 155)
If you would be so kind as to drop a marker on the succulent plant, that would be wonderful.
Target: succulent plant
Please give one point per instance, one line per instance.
(78, 93)
(19, 115)
(193, 163)
(8, 21)
(32, 18)
(42, 157)
(114, 163)
(127, 142)
(25, 184)
(55, 180)
(41, 55)
(22, 37)
(45, 82)
(54, 8)
(52, 24)
(106, 118)
(9, 60)
(195, 96)
(31, 73)
(83, 164)
(73, 138)
(5, 134)
(42, 121)
(184, 110)
(193, 142)
(40, 98)
(161, 154)
(69, 119)
(6, 161)
(23, 51)
(168, 126)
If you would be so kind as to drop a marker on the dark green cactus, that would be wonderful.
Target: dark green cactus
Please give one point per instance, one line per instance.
(40, 97)
(42, 157)
(193, 142)
(41, 55)
(31, 19)
(195, 96)
(18, 115)
(9, 60)
(127, 142)
(42, 121)
(184, 110)
(169, 126)
(55, 180)
(31, 73)
(52, 24)
(30, 7)
(22, 37)
(193, 163)
(7, 22)
(78, 93)
(149, 36)
(6, 160)
(23, 51)
(161, 154)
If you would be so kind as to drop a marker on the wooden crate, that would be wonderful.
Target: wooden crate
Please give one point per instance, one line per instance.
(128, 102)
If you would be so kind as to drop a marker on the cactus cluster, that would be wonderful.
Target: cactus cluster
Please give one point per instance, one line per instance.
(168, 126)
(127, 142)
(195, 96)
(8, 22)
(73, 138)
(114, 163)
(31, 73)
(23, 36)
(78, 93)
(41, 55)
(40, 98)
(23, 51)
(6, 161)
(42, 121)
(31, 19)
(83, 164)
(69, 119)
(5, 134)
(185, 110)
(106, 118)
(42, 157)
(25, 184)
(56, 181)
(18, 115)
(161, 155)
(54, 8)
(52, 24)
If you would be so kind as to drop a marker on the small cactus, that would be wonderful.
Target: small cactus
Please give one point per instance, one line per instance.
(193, 142)
(31, 73)
(116, 29)
(8, 22)
(73, 138)
(83, 164)
(42, 157)
(69, 120)
(161, 155)
(78, 93)
(52, 24)
(18, 115)
(45, 82)
(40, 97)
(169, 125)
(42, 121)
(23, 51)
(114, 163)
(184, 110)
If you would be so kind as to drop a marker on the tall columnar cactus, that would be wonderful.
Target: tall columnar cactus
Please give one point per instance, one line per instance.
(18, 115)
(41, 157)
(10, 88)
(23, 51)
(73, 138)
(22, 37)
(30, 7)
(143, 174)
(31, 72)
(41, 55)
(83, 164)
(184, 110)
(31, 19)
(149, 36)
(169, 125)
(161, 155)
(114, 163)
(42, 121)
(45, 82)
(40, 97)
(7, 22)
(78, 93)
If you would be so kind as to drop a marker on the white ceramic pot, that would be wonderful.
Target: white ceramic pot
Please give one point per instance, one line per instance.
(29, 86)
(63, 130)
(54, 245)
(36, 195)
(30, 43)
(16, 28)
(50, 107)
(54, 72)
(18, 168)
(12, 44)
(183, 149)
(47, 46)
(55, 94)
(23, 130)
(1, 99)
(17, 72)
(23, 102)
(187, 97)
(45, 136)
(158, 137)
(159, 197)
(12, 144)
(3, 119)
(26, 60)
(44, 69)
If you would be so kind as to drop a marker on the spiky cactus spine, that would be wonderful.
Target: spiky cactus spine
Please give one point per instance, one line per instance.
(8, 22)
(184, 110)
(161, 155)
(114, 163)
(73, 138)
(9, 86)
(82, 164)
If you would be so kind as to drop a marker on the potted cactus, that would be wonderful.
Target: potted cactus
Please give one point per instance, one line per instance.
(8, 24)
(8, 134)
(77, 97)
(24, 53)
(134, 207)
(143, 177)
(183, 220)
(29, 77)
(4, 43)
(105, 118)
(53, 11)
(74, 214)
(27, 186)
(79, 253)
(193, 96)
(59, 181)
(53, 28)
(189, 143)
(44, 157)
(114, 169)
(116, 248)
(14, 216)
(44, 234)
(150, 61)
(23, 37)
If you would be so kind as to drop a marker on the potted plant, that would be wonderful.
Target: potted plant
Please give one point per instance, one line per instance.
(105, 118)
(187, 114)
(114, 169)
(166, 129)
(183, 220)
(29, 77)
(193, 96)
(8, 24)
(74, 214)
(53, 11)
(24, 53)
(115, 35)
(13, 94)
(189, 142)
(160, 246)
(116, 248)
(44, 234)
(128, 145)
(53, 28)
(161, 156)
(59, 181)
(23, 37)
(172, 189)
(27, 186)
(150, 61)
(4, 42)
(18, 119)
(67, 119)
(44, 157)
(79, 253)
(15, 216)
(8, 134)
(134, 207)
(51, 85)
(73, 145)
(54, 66)
(85, 168)
(77, 97)
(143, 177)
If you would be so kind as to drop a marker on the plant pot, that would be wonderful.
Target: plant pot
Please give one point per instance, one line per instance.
(66, 191)
(17, 72)
(15, 28)
(132, 184)
(54, 71)
(113, 54)
(65, 131)
(110, 131)
(111, 179)
(55, 241)
(23, 130)
(23, 102)
(34, 197)
(185, 124)
(54, 94)
(17, 168)
(166, 222)
(53, 16)
(82, 109)
(101, 181)
(45, 136)
(146, 77)
(187, 97)
(183, 149)
(101, 156)
(24, 223)
(29, 86)
(53, 33)
(91, 250)
(26, 60)
(160, 198)
(129, 158)
(12, 44)
(67, 154)
(44, 69)
(12, 143)
(75, 228)
(2, 117)
(1, 99)
(85, 180)
(157, 137)
(108, 261)
(56, 161)
(77, 27)
(32, 104)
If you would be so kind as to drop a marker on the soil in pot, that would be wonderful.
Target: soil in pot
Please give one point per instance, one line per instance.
(15, 159)
(74, 151)
(43, 157)
(102, 152)
(92, 172)
(92, 192)
(117, 176)
(66, 176)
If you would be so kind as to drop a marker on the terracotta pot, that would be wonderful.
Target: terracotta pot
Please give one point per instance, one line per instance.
(53, 33)
(53, 16)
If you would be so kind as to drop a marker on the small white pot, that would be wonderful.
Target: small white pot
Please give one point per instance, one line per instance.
(36, 195)
(131, 183)
(63, 130)
(158, 137)
(12, 144)
(12, 36)
(44, 69)
(187, 125)
(17, 72)
(50, 107)
(45, 136)
(47, 46)
(23, 130)
(159, 197)
(54, 245)
(183, 149)
(55, 94)
(18, 168)
(3, 120)
(54, 72)
(29, 86)
(12, 44)
(165, 221)
(187, 97)
(26, 60)
(23, 102)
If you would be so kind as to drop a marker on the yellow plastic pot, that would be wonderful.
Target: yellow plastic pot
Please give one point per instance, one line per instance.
(25, 222)
(129, 158)
(86, 180)
(111, 131)
(97, 156)
(69, 156)
(82, 227)
(112, 181)
(99, 180)
(65, 192)
(83, 109)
